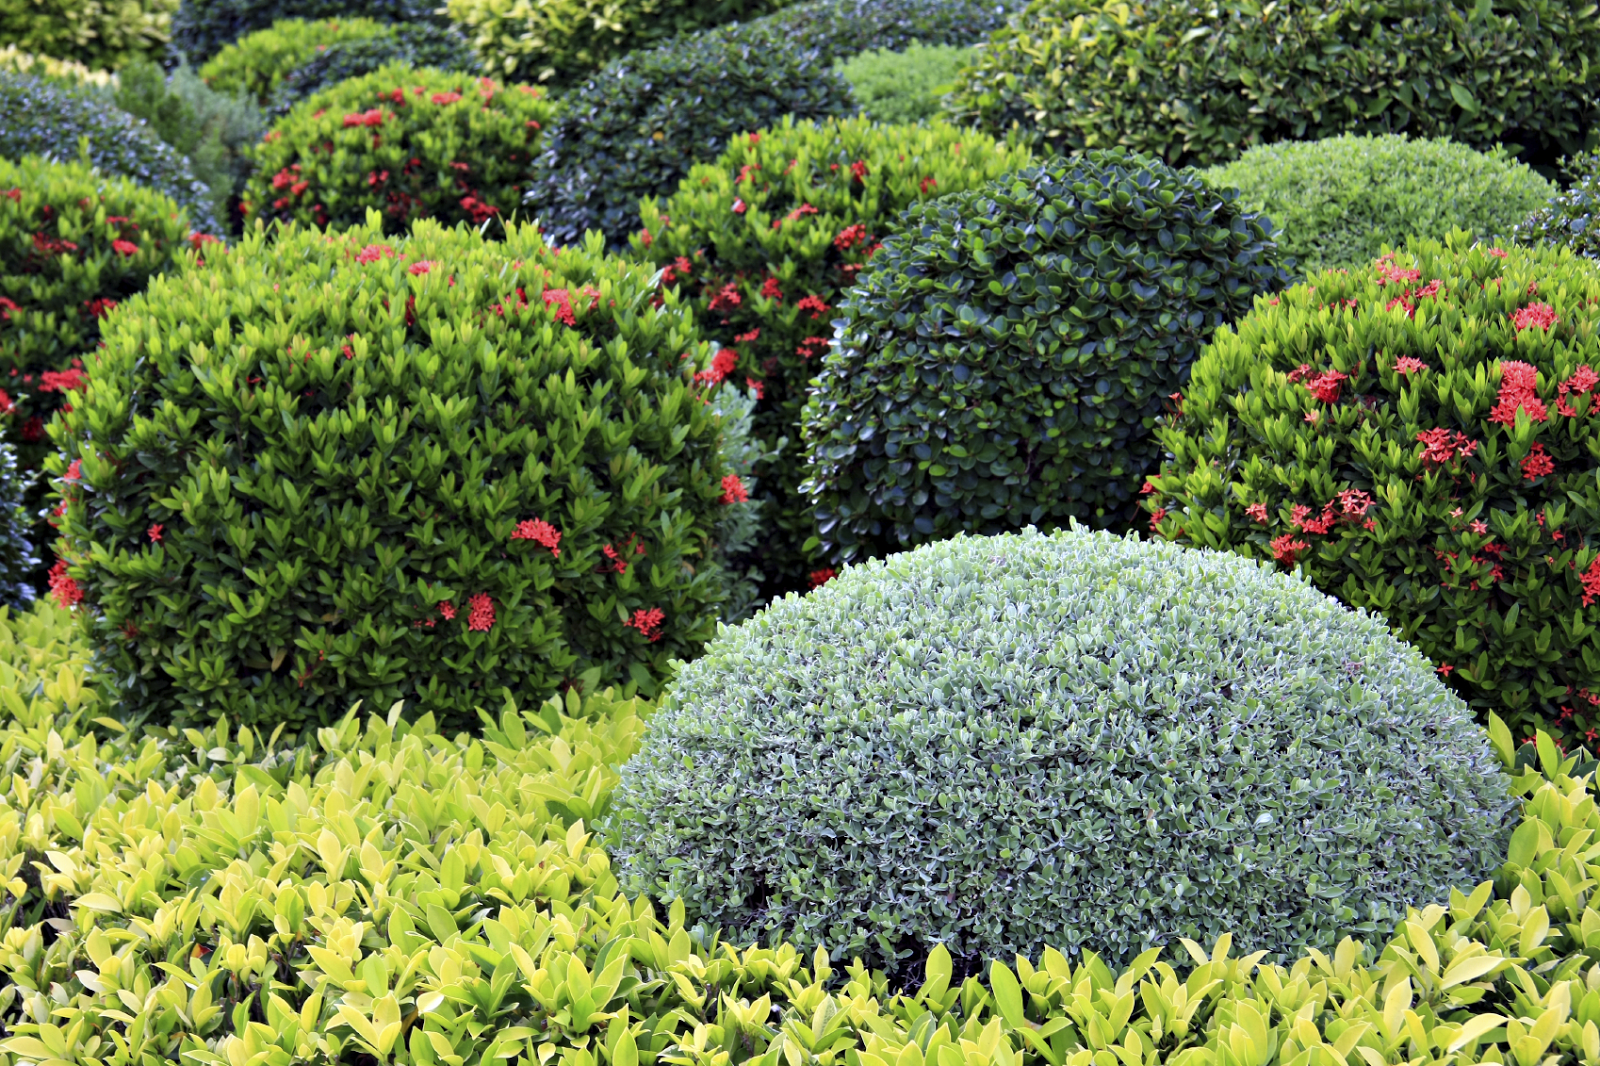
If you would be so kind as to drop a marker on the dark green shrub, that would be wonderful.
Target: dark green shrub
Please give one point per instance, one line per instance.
(258, 61)
(19, 560)
(634, 129)
(202, 28)
(103, 34)
(1003, 361)
(904, 87)
(844, 28)
(1416, 437)
(1341, 202)
(428, 470)
(766, 246)
(1568, 220)
(1002, 743)
(80, 123)
(421, 45)
(409, 143)
(1199, 81)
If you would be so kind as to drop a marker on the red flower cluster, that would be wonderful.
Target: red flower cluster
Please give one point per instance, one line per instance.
(648, 623)
(727, 298)
(374, 252)
(1518, 381)
(1582, 382)
(812, 346)
(422, 266)
(52, 245)
(850, 236)
(618, 563)
(1409, 364)
(540, 532)
(561, 300)
(447, 610)
(155, 532)
(733, 490)
(124, 247)
(1324, 386)
(770, 290)
(1537, 464)
(1540, 315)
(722, 365)
(1257, 511)
(373, 117)
(63, 587)
(858, 170)
(815, 304)
(63, 381)
(819, 578)
(1389, 274)
(445, 98)
(6, 307)
(1443, 445)
(925, 184)
(1285, 549)
(480, 613)
(1350, 505)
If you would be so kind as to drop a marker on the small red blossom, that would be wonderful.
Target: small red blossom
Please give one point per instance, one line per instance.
(444, 98)
(1518, 381)
(850, 236)
(733, 490)
(1409, 364)
(1285, 549)
(74, 471)
(1325, 386)
(925, 184)
(1443, 669)
(1155, 518)
(1257, 511)
(1442, 445)
(739, 207)
(1537, 464)
(812, 346)
(648, 623)
(540, 532)
(727, 298)
(770, 290)
(480, 613)
(155, 532)
(819, 578)
(125, 247)
(747, 338)
(447, 610)
(751, 383)
(561, 300)
(815, 304)
(858, 170)
(63, 587)
(373, 117)
(374, 252)
(1541, 315)
(1498, 253)
(99, 307)
(422, 266)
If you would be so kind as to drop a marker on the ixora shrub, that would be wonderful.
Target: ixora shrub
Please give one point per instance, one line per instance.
(1419, 438)
(1343, 201)
(103, 34)
(904, 86)
(997, 743)
(767, 239)
(202, 28)
(1568, 219)
(1004, 360)
(329, 467)
(409, 143)
(258, 61)
(1199, 81)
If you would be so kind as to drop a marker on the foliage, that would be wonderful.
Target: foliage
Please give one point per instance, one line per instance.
(1199, 81)
(1567, 220)
(1417, 438)
(18, 559)
(844, 28)
(766, 245)
(820, 771)
(417, 470)
(14, 59)
(420, 45)
(102, 34)
(1003, 361)
(202, 28)
(904, 87)
(740, 528)
(257, 62)
(1343, 201)
(76, 123)
(635, 129)
(409, 143)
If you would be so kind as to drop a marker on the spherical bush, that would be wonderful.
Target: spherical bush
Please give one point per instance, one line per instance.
(1071, 740)
(1002, 361)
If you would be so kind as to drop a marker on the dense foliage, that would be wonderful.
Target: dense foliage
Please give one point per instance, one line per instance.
(1568, 219)
(1343, 201)
(1199, 81)
(907, 86)
(202, 28)
(1003, 361)
(14, 59)
(766, 245)
(102, 34)
(1419, 438)
(19, 560)
(844, 28)
(258, 61)
(415, 45)
(408, 143)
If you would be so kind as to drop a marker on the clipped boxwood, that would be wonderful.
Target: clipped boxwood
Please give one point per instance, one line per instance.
(904, 87)
(258, 61)
(1002, 743)
(1568, 219)
(844, 28)
(103, 34)
(419, 469)
(1343, 201)
(1003, 360)
(1199, 81)
(767, 239)
(408, 143)
(202, 28)
(1418, 437)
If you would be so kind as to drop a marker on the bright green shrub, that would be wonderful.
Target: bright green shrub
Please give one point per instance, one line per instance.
(1567, 220)
(766, 248)
(1415, 438)
(997, 744)
(420, 470)
(1341, 202)
(14, 59)
(417, 45)
(409, 143)
(904, 87)
(203, 28)
(103, 34)
(1003, 360)
(1198, 81)
(258, 61)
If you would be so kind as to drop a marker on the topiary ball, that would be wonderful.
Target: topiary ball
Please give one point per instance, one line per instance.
(1003, 360)
(1071, 740)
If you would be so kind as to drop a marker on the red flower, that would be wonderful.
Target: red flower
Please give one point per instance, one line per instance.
(1285, 549)
(561, 300)
(738, 207)
(727, 298)
(733, 490)
(33, 429)
(74, 471)
(819, 578)
(1257, 511)
(1590, 579)
(15, 195)
(155, 533)
(1499, 253)
(751, 383)
(69, 380)
(815, 304)
(7, 407)
(447, 610)
(1156, 516)
(374, 252)
(1517, 383)
(1443, 669)
(722, 365)
(540, 532)
(445, 98)
(1408, 364)
(6, 307)
(199, 240)
(1442, 445)
(125, 247)
(1537, 464)
(648, 623)
(858, 170)
(63, 587)
(770, 290)
(373, 117)
(925, 184)
(850, 236)
(745, 338)
(421, 266)
(812, 346)
(1583, 381)
(1541, 315)
(1325, 386)
(480, 613)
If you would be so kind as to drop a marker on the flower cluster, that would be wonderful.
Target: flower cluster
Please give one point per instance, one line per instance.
(540, 532)
(648, 623)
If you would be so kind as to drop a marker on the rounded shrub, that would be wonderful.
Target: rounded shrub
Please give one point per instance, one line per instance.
(19, 559)
(257, 62)
(409, 143)
(1003, 361)
(420, 45)
(1074, 740)
(1199, 81)
(633, 130)
(330, 467)
(844, 28)
(904, 87)
(1568, 219)
(202, 28)
(1343, 201)
(18, 61)
(101, 34)
(767, 239)
(1419, 438)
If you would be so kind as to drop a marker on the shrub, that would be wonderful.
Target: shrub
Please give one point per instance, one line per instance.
(844, 28)
(257, 62)
(1343, 201)
(448, 465)
(20, 62)
(974, 745)
(1197, 81)
(634, 130)
(410, 143)
(1003, 361)
(770, 246)
(102, 34)
(203, 28)
(1567, 220)
(63, 122)
(18, 560)
(1415, 438)
(421, 45)
(904, 87)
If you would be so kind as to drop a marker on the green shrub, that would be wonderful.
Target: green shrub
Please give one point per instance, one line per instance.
(14, 59)
(202, 28)
(1568, 219)
(1343, 201)
(904, 87)
(1199, 81)
(771, 246)
(634, 130)
(103, 34)
(257, 62)
(409, 143)
(420, 45)
(998, 744)
(421, 470)
(844, 28)
(1413, 437)
(739, 531)
(1003, 361)
(19, 561)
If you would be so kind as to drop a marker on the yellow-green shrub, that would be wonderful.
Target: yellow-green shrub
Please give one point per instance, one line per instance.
(13, 58)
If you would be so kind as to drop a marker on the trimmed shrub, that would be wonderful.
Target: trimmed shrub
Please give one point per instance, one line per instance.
(634, 130)
(203, 28)
(904, 87)
(1199, 81)
(1343, 201)
(420, 470)
(1418, 439)
(844, 28)
(1003, 361)
(422, 45)
(18, 559)
(102, 34)
(409, 143)
(1568, 219)
(17, 61)
(257, 62)
(78, 123)
(978, 745)
(767, 239)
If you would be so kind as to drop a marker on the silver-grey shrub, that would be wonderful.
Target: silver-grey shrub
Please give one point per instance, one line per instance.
(1075, 740)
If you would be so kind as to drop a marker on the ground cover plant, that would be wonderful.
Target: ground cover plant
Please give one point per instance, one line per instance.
(1416, 437)
(329, 467)
(1567, 220)
(902, 87)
